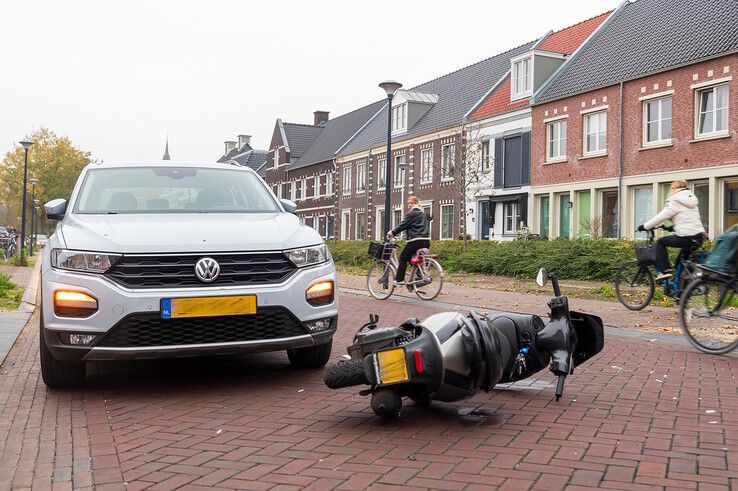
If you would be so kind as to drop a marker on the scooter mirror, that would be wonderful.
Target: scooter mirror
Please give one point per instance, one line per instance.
(542, 277)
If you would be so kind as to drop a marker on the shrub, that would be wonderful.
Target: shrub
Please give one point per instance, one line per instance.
(582, 259)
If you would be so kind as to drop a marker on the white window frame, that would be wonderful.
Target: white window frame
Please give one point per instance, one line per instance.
(554, 134)
(316, 187)
(345, 220)
(399, 118)
(452, 222)
(426, 166)
(447, 166)
(329, 184)
(521, 76)
(303, 189)
(357, 215)
(510, 212)
(360, 178)
(659, 101)
(399, 172)
(601, 128)
(381, 173)
(276, 158)
(698, 99)
(396, 218)
(484, 149)
(346, 191)
(379, 223)
(293, 191)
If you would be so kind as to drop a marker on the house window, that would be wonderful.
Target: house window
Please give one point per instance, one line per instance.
(447, 161)
(657, 121)
(642, 208)
(381, 173)
(556, 140)
(276, 157)
(275, 189)
(345, 224)
(360, 178)
(701, 191)
(609, 213)
(316, 187)
(396, 218)
(522, 78)
(485, 165)
(346, 180)
(329, 184)
(712, 114)
(360, 226)
(329, 227)
(399, 179)
(399, 117)
(303, 185)
(379, 226)
(447, 221)
(426, 166)
(595, 131)
(293, 190)
(511, 217)
(544, 216)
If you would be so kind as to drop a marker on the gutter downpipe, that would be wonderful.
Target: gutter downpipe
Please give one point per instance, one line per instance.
(620, 166)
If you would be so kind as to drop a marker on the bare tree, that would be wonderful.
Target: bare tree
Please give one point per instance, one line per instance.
(593, 227)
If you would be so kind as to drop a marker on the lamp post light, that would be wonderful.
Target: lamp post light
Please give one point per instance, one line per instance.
(390, 87)
(33, 182)
(26, 146)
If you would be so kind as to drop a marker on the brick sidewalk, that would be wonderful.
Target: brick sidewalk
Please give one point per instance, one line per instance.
(640, 415)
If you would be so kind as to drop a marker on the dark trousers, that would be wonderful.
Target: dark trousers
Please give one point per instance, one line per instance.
(686, 243)
(410, 249)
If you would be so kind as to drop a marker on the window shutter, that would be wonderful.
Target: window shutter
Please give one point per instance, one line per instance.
(523, 208)
(498, 163)
(492, 210)
(525, 176)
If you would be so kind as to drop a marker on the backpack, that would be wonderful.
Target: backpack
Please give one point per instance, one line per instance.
(724, 256)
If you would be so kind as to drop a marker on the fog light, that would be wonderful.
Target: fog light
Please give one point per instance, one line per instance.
(74, 304)
(81, 339)
(320, 293)
(319, 325)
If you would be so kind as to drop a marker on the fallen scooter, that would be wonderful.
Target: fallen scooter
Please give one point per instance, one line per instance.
(450, 356)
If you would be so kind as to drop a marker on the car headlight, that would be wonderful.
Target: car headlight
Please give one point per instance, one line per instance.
(307, 256)
(86, 262)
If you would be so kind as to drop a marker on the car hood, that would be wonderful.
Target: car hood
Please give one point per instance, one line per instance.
(196, 232)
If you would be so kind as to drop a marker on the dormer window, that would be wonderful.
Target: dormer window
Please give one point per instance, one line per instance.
(399, 118)
(522, 78)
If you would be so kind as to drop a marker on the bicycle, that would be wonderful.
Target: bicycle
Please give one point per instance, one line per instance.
(635, 283)
(708, 312)
(426, 273)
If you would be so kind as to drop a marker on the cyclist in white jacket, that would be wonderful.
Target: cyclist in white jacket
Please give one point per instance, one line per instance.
(682, 208)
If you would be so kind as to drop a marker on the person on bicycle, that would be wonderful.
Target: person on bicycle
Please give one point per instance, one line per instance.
(682, 208)
(416, 225)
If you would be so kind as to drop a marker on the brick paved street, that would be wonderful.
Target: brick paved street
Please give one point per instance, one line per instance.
(640, 415)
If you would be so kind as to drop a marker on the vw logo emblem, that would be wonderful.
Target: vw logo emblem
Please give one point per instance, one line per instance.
(207, 270)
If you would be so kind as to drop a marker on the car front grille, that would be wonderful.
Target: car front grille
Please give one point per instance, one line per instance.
(142, 330)
(154, 271)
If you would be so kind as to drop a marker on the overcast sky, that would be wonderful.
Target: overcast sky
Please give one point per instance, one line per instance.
(117, 76)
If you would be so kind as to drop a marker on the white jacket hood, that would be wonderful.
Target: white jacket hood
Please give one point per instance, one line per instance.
(682, 208)
(685, 198)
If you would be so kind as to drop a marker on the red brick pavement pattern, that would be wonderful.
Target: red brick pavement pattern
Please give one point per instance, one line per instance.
(640, 416)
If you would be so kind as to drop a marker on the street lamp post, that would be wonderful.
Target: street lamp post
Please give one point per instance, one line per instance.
(390, 87)
(36, 208)
(33, 182)
(26, 146)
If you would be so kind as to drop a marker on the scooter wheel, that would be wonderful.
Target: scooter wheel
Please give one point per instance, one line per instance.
(386, 403)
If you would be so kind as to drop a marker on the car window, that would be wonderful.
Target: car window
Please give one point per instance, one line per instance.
(173, 190)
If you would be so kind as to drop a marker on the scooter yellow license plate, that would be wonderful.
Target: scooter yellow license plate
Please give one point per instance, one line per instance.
(391, 366)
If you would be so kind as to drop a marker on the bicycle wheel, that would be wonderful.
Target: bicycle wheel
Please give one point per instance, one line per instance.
(379, 280)
(709, 315)
(431, 281)
(634, 285)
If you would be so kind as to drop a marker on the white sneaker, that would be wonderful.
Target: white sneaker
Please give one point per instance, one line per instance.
(399, 283)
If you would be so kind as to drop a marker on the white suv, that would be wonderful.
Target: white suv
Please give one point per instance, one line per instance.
(175, 259)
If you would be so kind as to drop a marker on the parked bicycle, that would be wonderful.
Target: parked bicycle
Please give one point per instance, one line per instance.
(635, 283)
(8, 244)
(426, 273)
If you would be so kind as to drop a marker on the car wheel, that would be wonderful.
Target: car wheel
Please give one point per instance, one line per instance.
(310, 357)
(58, 374)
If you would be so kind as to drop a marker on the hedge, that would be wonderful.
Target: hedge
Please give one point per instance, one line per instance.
(581, 259)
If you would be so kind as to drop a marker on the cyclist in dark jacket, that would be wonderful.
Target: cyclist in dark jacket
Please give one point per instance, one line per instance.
(417, 227)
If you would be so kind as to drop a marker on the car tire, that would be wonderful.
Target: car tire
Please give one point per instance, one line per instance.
(55, 373)
(310, 357)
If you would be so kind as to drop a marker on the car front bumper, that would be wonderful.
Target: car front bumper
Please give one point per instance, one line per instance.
(119, 308)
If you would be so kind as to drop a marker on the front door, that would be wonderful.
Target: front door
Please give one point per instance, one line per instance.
(484, 219)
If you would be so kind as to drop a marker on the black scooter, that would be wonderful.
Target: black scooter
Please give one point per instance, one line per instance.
(449, 356)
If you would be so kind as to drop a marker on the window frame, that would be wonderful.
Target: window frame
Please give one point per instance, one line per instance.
(426, 171)
(448, 166)
(360, 178)
(346, 178)
(599, 151)
(660, 141)
(303, 189)
(485, 164)
(561, 142)
(316, 186)
(697, 112)
(293, 191)
(329, 184)
(399, 118)
(359, 225)
(399, 184)
(527, 78)
(512, 213)
(442, 207)
(381, 174)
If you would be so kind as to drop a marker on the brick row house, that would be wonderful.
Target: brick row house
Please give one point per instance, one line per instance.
(648, 99)
(241, 152)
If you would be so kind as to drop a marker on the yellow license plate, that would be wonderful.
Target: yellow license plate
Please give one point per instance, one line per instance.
(391, 366)
(174, 308)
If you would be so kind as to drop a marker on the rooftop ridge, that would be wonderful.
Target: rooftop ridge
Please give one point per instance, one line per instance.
(583, 21)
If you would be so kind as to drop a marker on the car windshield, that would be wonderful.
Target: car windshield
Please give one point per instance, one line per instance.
(173, 190)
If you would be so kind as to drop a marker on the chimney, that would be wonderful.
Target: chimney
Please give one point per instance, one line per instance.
(229, 145)
(320, 117)
(244, 140)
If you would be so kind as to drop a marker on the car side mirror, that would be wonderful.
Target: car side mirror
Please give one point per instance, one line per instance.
(56, 208)
(542, 277)
(289, 206)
